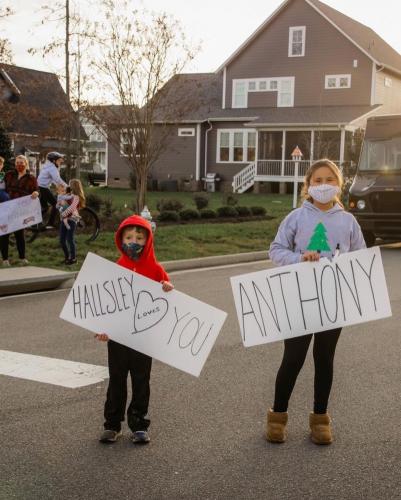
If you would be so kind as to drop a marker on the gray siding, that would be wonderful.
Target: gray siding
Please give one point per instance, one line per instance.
(390, 97)
(176, 161)
(327, 51)
(118, 168)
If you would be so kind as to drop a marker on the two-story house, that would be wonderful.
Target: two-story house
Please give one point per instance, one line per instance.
(309, 76)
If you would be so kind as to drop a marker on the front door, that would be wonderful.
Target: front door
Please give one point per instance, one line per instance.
(270, 145)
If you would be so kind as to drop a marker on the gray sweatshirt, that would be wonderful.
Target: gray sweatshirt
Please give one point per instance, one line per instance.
(302, 228)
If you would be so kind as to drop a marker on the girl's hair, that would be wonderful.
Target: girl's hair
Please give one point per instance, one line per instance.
(76, 188)
(22, 157)
(324, 162)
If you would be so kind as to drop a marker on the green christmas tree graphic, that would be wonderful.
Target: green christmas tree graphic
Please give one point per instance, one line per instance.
(318, 241)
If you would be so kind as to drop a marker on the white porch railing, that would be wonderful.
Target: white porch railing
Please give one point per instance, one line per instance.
(280, 168)
(270, 171)
(245, 178)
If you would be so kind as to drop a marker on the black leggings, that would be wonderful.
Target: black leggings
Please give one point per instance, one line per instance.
(295, 350)
(124, 361)
(19, 240)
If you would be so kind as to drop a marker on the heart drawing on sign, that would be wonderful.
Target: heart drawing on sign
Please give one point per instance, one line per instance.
(148, 311)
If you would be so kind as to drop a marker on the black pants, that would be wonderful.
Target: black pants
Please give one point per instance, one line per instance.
(67, 240)
(295, 350)
(20, 241)
(123, 360)
(47, 198)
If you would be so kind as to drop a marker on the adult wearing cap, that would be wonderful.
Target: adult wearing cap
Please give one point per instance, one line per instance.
(50, 175)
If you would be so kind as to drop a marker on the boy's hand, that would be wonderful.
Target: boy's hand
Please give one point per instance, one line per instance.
(310, 256)
(103, 337)
(167, 286)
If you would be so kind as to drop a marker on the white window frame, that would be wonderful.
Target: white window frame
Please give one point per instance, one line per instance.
(186, 132)
(388, 82)
(267, 81)
(292, 29)
(122, 143)
(231, 132)
(337, 78)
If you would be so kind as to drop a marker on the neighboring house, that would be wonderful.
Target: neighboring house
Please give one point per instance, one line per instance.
(95, 148)
(309, 76)
(38, 122)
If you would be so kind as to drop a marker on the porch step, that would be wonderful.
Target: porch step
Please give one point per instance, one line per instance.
(245, 187)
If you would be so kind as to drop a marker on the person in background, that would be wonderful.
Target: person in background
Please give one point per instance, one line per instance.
(18, 182)
(3, 193)
(69, 220)
(299, 239)
(50, 175)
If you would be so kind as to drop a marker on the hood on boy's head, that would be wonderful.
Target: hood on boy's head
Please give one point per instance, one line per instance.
(136, 220)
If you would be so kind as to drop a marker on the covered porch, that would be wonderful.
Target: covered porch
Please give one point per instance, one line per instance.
(274, 163)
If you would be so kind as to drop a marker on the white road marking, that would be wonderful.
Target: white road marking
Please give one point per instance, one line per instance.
(51, 370)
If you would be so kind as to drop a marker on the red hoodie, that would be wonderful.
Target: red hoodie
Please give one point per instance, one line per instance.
(147, 264)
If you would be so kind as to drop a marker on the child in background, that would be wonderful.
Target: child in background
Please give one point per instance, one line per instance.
(134, 239)
(320, 228)
(64, 200)
(3, 194)
(70, 218)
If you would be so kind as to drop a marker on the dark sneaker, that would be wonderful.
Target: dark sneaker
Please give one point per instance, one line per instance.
(70, 262)
(140, 437)
(109, 436)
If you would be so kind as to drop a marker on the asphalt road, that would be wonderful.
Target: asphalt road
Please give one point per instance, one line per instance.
(207, 433)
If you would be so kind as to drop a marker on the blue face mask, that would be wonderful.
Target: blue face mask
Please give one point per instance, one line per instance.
(132, 250)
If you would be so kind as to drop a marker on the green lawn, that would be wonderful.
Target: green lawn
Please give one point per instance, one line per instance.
(179, 241)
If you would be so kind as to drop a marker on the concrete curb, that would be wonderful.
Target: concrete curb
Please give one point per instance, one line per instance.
(65, 280)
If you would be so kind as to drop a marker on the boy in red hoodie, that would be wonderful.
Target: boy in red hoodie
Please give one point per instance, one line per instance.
(134, 239)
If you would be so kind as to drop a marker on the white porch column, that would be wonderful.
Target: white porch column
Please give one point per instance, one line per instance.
(342, 146)
(283, 152)
(312, 145)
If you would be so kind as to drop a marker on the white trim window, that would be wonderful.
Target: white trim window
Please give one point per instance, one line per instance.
(125, 143)
(236, 146)
(240, 94)
(296, 41)
(284, 86)
(186, 132)
(388, 82)
(337, 82)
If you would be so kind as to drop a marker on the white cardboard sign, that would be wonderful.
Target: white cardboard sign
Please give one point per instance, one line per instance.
(134, 311)
(295, 300)
(19, 213)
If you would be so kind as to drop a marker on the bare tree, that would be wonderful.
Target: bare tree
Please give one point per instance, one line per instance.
(73, 44)
(6, 55)
(138, 52)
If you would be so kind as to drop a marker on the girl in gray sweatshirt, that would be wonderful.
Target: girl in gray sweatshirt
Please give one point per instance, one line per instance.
(320, 228)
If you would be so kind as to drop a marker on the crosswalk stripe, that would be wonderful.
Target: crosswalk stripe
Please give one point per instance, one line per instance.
(54, 371)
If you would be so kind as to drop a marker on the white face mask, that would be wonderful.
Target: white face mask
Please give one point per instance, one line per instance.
(323, 193)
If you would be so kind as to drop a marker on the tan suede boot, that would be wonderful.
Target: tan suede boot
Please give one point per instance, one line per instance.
(320, 426)
(276, 426)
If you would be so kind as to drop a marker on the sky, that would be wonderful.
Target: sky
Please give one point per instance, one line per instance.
(220, 25)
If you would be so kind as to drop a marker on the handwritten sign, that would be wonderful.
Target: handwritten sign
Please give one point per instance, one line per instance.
(311, 297)
(19, 214)
(134, 311)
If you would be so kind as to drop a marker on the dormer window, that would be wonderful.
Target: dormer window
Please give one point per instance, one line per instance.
(296, 43)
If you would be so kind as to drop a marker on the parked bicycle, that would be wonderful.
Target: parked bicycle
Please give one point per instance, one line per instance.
(89, 224)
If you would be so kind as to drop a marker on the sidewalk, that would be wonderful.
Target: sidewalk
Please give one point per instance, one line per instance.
(15, 280)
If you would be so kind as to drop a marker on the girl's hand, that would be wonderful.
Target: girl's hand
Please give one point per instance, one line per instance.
(310, 257)
(103, 337)
(34, 195)
(167, 286)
